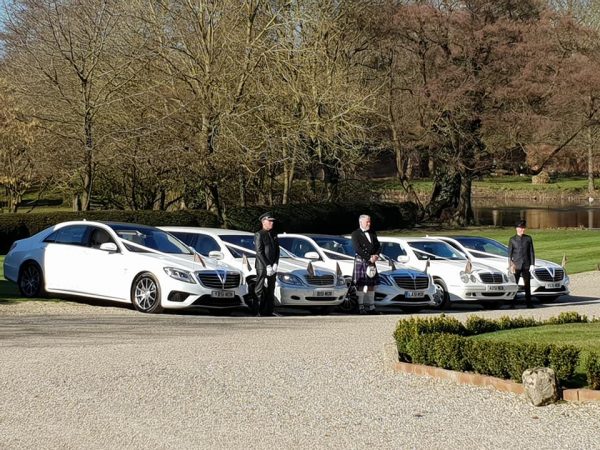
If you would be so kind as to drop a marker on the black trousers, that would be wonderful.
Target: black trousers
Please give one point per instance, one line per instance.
(526, 281)
(265, 292)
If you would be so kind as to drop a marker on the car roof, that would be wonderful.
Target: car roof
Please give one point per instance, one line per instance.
(215, 231)
(311, 235)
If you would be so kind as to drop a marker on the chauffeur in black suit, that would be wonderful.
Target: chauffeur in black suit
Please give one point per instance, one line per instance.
(267, 258)
(367, 247)
(521, 257)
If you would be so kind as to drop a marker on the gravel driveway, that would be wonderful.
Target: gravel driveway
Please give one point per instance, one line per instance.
(83, 375)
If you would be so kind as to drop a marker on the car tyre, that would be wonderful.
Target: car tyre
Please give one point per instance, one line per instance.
(145, 293)
(441, 295)
(350, 303)
(31, 281)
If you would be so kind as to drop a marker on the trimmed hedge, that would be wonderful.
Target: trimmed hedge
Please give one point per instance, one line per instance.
(444, 342)
(20, 226)
(327, 218)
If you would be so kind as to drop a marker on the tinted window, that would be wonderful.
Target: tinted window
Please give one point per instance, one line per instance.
(150, 237)
(484, 245)
(98, 236)
(392, 250)
(241, 240)
(336, 244)
(206, 244)
(72, 235)
(435, 250)
(296, 246)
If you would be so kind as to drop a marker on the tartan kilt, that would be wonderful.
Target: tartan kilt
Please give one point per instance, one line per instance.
(360, 274)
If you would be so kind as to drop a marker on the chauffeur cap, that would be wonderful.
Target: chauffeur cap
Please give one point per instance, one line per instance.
(521, 224)
(266, 216)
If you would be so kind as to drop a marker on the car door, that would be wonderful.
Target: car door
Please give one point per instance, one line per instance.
(106, 272)
(63, 258)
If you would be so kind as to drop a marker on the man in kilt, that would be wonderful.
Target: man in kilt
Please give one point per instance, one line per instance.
(366, 245)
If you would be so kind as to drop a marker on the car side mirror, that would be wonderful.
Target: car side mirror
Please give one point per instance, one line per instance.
(312, 255)
(215, 254)
(110, 247)
(402, 259)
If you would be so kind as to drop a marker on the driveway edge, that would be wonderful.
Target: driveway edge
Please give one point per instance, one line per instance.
(391, 364)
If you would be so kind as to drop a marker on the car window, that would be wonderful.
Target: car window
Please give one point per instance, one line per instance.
(150, 237)
(392, 250)
(337, 256)
(297, 246)
(435, 250)
(72, 235)
(336, 244)
(99, 236)
(206, 244)
(484, 245)
(241, 240)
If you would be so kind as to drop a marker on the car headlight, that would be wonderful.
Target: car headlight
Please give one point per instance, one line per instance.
(179, 274)
(288, 278)
(341, 281)
(464, 277)
(384, 279)
(504, 278)
(511, 278)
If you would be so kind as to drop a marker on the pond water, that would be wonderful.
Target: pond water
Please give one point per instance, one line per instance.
(546, 214)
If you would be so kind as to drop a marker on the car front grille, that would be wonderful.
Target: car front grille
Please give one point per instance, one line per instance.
(219, 279)
(410, 283)
(319, 280)
(544, 274)
(491, 277)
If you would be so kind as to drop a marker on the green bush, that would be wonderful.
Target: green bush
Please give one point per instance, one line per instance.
(592, 369)
(20, 226)
(563, 359)
(509, 323)
(448, 352)
(478, 325)
(567, 317)
(521, 357)
(329, 218)
(442, 342)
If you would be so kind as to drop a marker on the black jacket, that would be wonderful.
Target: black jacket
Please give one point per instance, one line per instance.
(363, 248)
(267, 249)
(520, 251)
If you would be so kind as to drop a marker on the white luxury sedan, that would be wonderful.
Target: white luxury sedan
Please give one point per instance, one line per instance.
(457, 279)
(548, 280)
(124, 262)
(320, 292)
(402, 287)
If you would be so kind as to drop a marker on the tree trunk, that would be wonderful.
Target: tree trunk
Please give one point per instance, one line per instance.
(86, 195)
(464, 212)
(590, 158)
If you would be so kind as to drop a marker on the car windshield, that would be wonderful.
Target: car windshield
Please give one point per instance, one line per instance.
(485, 245)
(434, 250)
(247, 242)
(335, 244)
(150, 237)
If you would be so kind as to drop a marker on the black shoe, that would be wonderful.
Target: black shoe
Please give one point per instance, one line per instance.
(362, 311)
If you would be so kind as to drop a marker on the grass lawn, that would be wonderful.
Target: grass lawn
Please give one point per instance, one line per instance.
(582, 246)
(502, 184)
(585, 336)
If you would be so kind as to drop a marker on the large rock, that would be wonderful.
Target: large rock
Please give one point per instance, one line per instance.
(540, 386)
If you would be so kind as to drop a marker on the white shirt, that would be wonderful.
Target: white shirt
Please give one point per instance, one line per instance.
(366, 234)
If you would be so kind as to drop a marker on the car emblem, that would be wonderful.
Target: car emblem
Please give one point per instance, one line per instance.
(552, 272)
(222, 274)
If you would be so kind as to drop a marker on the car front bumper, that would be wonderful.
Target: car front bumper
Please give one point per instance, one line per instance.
(475, 292)
(309, 296)
(386, 295)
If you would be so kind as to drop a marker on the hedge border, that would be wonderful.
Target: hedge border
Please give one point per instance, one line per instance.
(443, 342)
